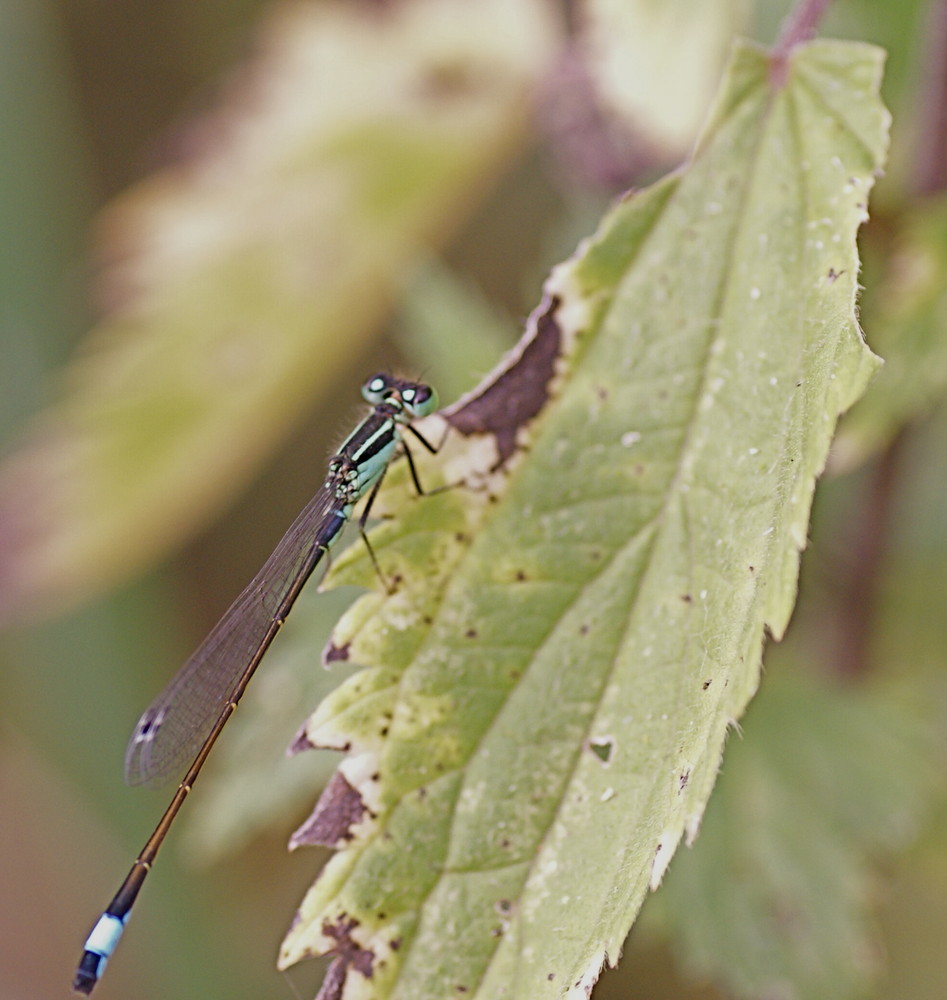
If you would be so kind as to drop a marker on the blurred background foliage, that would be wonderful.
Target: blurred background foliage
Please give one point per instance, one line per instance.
(156, 161)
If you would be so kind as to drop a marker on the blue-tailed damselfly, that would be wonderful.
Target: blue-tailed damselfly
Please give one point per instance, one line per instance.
(191, 712)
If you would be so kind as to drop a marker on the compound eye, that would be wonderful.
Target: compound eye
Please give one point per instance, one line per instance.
(377, 389)
(419, 400)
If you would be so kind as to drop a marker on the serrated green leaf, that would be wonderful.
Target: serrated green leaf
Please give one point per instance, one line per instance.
(242, 280)
(773, 901)
(549, 688)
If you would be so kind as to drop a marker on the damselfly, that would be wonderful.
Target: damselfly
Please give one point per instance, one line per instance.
(188, 716)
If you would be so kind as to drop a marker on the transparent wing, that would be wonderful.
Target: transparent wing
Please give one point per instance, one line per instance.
(171, 730)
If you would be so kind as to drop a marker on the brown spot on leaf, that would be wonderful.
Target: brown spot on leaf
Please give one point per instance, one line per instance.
(349, 955)
(300, 743)
(518, 392)
(334, 981)
(339, 808)
(333, 653)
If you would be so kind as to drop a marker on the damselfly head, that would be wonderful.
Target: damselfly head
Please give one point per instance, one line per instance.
(415, 398)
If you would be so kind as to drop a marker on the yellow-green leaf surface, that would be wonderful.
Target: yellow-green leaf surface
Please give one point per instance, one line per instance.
(546, 695)
(239, 282)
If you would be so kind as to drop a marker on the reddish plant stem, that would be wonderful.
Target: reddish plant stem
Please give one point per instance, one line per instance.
(930, 173)
(800, 25)
(858, 607)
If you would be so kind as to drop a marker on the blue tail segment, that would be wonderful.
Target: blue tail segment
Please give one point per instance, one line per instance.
(99, 946)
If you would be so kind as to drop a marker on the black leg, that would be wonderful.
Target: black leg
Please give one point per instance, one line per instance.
(362, 521)
(413, 468)
(414, 472)
(427, 444)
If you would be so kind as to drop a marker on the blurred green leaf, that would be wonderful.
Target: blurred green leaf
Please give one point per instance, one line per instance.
(242, 280)
(775, 898)
(915, 910)
(45, 200)
(548, 692)
(657, 62)
(907, 313)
